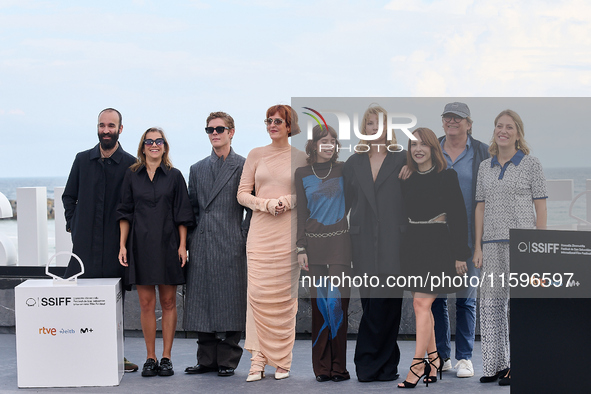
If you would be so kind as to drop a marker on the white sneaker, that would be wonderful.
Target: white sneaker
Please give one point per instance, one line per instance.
(465, 369)
(446, 365)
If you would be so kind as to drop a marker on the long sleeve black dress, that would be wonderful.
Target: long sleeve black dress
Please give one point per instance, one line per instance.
(431, 248)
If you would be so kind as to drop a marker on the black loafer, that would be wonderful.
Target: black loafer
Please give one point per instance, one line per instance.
(224, 371)
(150, 368)
(322, 378)
(165, 367)
(200, 369)
(340, 378)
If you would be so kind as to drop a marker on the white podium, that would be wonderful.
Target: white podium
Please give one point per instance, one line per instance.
(69, 335)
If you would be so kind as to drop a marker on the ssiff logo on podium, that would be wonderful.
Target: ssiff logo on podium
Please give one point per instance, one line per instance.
(61, 327)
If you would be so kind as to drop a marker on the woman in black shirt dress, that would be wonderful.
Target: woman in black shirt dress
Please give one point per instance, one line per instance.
(435, 244)
(154, 214)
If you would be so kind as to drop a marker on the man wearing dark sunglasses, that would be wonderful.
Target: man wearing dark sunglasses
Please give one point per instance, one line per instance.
(215, 300)
(90, 202)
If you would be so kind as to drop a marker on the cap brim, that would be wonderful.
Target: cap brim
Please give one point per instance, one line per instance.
(462, 114)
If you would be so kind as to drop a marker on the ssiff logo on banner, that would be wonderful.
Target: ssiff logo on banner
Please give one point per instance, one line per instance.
(538, 247)
(344, 130)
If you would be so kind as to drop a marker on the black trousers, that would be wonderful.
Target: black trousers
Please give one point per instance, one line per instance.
(377, 353)
(219, 349)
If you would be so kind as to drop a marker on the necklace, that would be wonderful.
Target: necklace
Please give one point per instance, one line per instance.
(426, 172)
(330, 169)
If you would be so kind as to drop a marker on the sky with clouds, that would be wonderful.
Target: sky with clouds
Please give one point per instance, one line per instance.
(169, 64)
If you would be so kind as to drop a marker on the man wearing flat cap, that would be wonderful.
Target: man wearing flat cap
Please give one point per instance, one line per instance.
(464, 154)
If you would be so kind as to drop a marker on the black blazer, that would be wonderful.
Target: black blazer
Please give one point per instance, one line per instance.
(377, 217)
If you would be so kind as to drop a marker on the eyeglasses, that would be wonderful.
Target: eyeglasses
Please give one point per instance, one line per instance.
(219, 129)
(452, 118)
(270, 121)
(150, 142)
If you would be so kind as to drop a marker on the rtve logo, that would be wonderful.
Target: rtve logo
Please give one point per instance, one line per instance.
(47, 331)
(538, 247)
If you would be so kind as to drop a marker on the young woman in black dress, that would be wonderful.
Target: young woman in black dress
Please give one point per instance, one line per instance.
(154, 214)
(435, 244)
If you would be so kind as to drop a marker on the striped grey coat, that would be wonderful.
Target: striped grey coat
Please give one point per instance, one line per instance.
(215, 298)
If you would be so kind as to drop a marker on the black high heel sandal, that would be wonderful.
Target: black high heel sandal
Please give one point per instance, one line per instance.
(433, 379)
(426, 371)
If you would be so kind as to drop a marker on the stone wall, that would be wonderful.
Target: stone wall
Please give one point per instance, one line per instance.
(303, 322)
(50, 209)
(304, 316)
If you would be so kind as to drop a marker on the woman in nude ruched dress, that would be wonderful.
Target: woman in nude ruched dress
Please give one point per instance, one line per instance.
(273, 271)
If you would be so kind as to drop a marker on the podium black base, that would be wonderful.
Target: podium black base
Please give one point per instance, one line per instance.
(550, 345)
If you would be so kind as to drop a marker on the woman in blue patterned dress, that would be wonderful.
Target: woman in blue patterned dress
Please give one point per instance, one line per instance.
(324, 249)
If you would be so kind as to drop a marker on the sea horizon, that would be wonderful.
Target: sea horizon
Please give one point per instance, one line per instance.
(8, 185)
(557, 210)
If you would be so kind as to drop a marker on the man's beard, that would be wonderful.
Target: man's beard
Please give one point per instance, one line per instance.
(108, 144)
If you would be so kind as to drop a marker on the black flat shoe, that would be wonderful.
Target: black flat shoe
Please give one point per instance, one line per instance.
(165, 367)
(322, 378)
(340, 378)
(506, 379)
(150, 368)
(224, 371)
(490, 379)
(199, 369)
